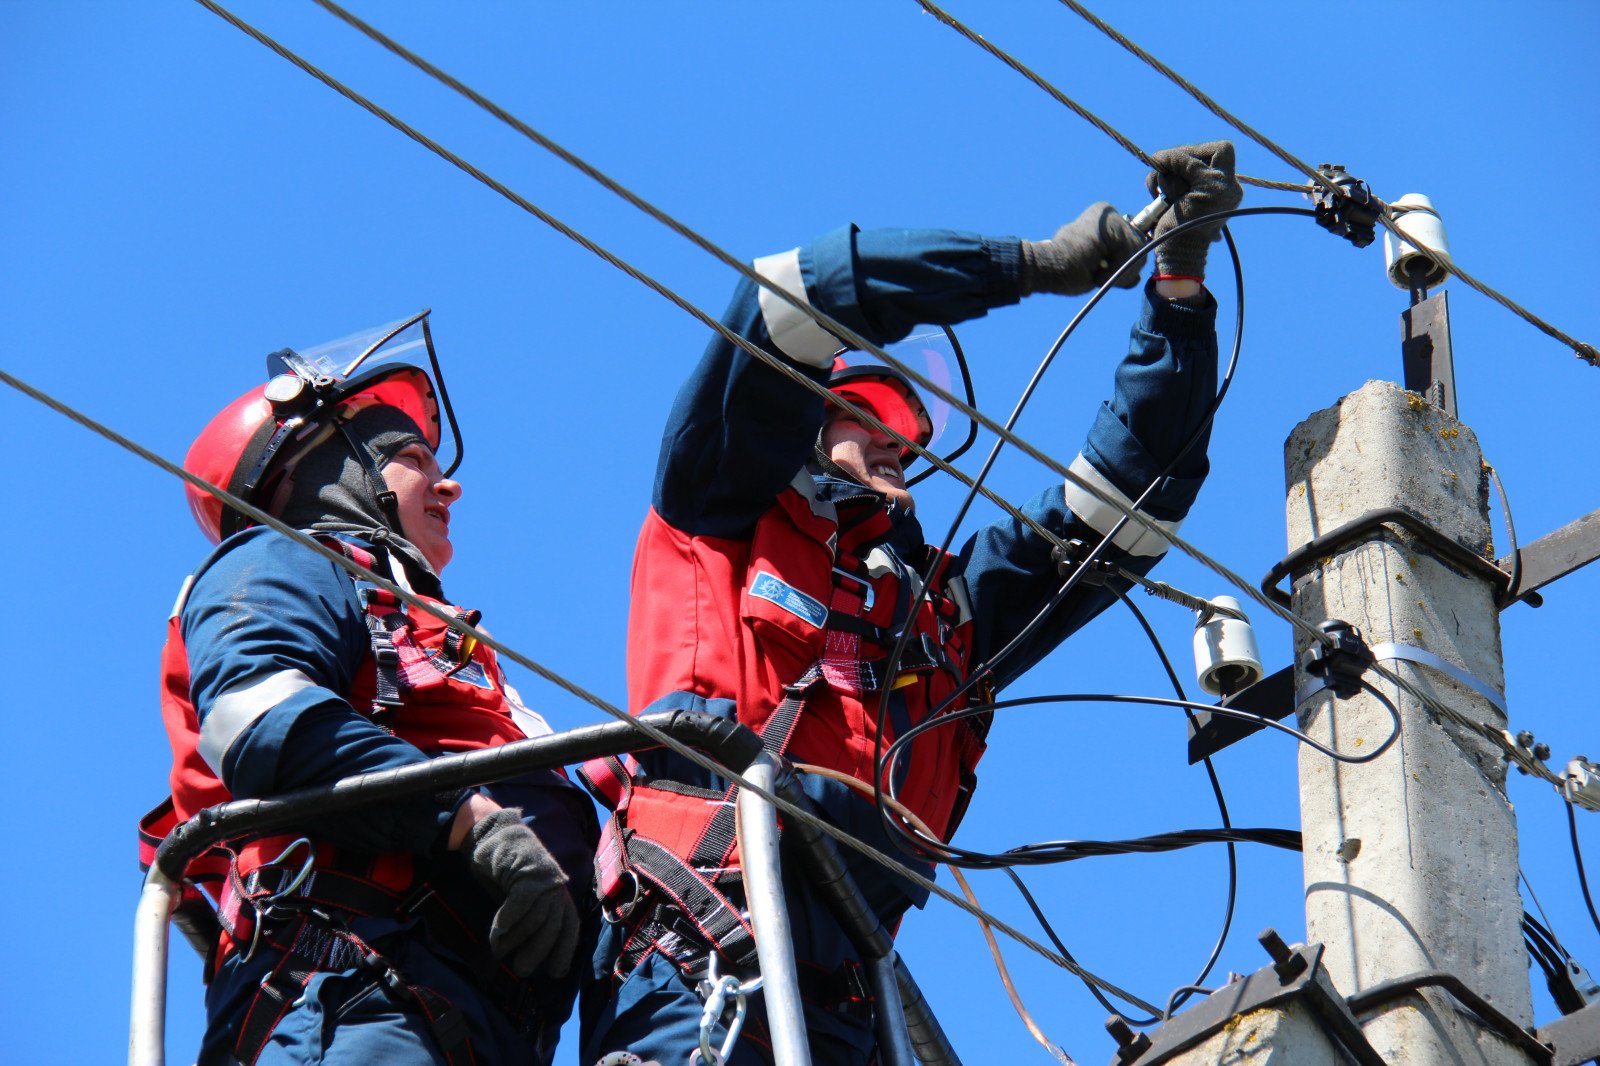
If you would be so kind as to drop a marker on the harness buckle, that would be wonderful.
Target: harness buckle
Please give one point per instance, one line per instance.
(871, 595)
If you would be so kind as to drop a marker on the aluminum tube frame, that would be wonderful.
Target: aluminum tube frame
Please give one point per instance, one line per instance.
(147, 1024)
(732, 744)
(769, 916)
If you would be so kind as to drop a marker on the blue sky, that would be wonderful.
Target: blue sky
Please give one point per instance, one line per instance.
(179, 202)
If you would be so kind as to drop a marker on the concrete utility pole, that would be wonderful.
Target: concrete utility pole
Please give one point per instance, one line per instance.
(1410, 860)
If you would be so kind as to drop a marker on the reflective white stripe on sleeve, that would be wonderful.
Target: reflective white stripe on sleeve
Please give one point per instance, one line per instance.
(237, 709)
(791, 329)
(1133, 538)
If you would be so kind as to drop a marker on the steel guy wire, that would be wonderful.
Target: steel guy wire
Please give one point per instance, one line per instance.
(678, 300)
(744, 269)
(455, 623)
(1062, 98)
(817, 316)
(1583, 351)
(766, 357)
(1044, 459)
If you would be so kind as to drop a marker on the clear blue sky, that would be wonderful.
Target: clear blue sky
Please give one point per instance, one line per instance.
(178, 202)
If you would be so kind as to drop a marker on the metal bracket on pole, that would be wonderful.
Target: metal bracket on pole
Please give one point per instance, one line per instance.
(1294, 974)
(1555, 555)
(1425, 352)
(1575, 1037)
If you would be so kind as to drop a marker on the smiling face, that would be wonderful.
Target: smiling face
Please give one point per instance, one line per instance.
(423, 498)
(866, 454)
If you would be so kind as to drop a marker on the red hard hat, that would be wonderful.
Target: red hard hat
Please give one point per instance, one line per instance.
(255, 440)
(885, 393)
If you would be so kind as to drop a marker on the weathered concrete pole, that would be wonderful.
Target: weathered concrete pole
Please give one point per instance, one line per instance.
(1410, 860)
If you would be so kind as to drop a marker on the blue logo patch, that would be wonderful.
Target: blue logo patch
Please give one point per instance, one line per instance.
(791, 599)
(472, 673)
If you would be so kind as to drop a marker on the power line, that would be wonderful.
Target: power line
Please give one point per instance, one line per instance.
(1584, 351)
(1043, 458)
(1484, 729)
(699, 758)
(1078, 109)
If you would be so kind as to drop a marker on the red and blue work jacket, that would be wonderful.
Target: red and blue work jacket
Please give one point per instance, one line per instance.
(756, 574)
(281, 672)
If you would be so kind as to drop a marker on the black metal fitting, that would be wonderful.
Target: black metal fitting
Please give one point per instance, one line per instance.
(1351, 213)
(1130, 1045)
(1344, 662)
(1286, 963)
(1072, 555)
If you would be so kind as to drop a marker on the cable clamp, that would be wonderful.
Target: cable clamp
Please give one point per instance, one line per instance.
(1070, 557)
(1352, 212)
(1340, 665)
(1581, 784)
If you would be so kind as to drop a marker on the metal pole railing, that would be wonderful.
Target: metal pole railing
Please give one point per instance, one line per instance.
(769, 917)
(905, 1023)
(730, 743)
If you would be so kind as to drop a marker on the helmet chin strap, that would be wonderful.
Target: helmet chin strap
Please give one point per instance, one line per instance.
(388, 502)
(831, 468)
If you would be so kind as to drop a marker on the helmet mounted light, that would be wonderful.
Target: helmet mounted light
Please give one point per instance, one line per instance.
(254, 442)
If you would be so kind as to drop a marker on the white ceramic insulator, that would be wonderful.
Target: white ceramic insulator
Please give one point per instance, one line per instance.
(1225, 653)
(1421, 224)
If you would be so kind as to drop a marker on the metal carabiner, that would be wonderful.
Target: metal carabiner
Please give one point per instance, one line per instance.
(265, 905)
(716, 1002)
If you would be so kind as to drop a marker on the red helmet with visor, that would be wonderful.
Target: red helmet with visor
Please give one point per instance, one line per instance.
(251, 445)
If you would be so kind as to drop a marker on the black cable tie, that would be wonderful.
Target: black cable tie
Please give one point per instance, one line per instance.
(1344, 662)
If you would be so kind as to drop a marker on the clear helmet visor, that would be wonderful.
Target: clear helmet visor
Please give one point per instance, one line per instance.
(898, 400)
(393, 364)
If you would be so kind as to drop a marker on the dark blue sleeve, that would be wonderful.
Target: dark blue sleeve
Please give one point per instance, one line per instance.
(740, 430)
(1163, 389)
(274, 635)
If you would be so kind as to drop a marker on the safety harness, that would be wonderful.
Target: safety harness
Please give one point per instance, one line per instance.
(303, 909)
(668, 859)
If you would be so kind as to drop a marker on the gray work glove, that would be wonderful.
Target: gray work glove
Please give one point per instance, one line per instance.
(1082, 254)
(536, 927)
(1196, 179)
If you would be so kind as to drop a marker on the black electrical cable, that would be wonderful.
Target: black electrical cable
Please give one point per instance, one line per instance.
(1222, 809)
(1179, 995)
(892, 825)
(1066, 851)
(1577, 858)
(1094, 990)
(915, 843)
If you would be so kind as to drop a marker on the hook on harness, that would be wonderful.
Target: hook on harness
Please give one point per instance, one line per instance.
(718, 991)
(266, 905)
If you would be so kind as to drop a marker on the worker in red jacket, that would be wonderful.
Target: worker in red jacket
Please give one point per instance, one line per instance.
(781, 560)
(438, 929)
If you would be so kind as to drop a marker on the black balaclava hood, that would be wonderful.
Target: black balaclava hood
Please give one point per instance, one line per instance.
(332, 491)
